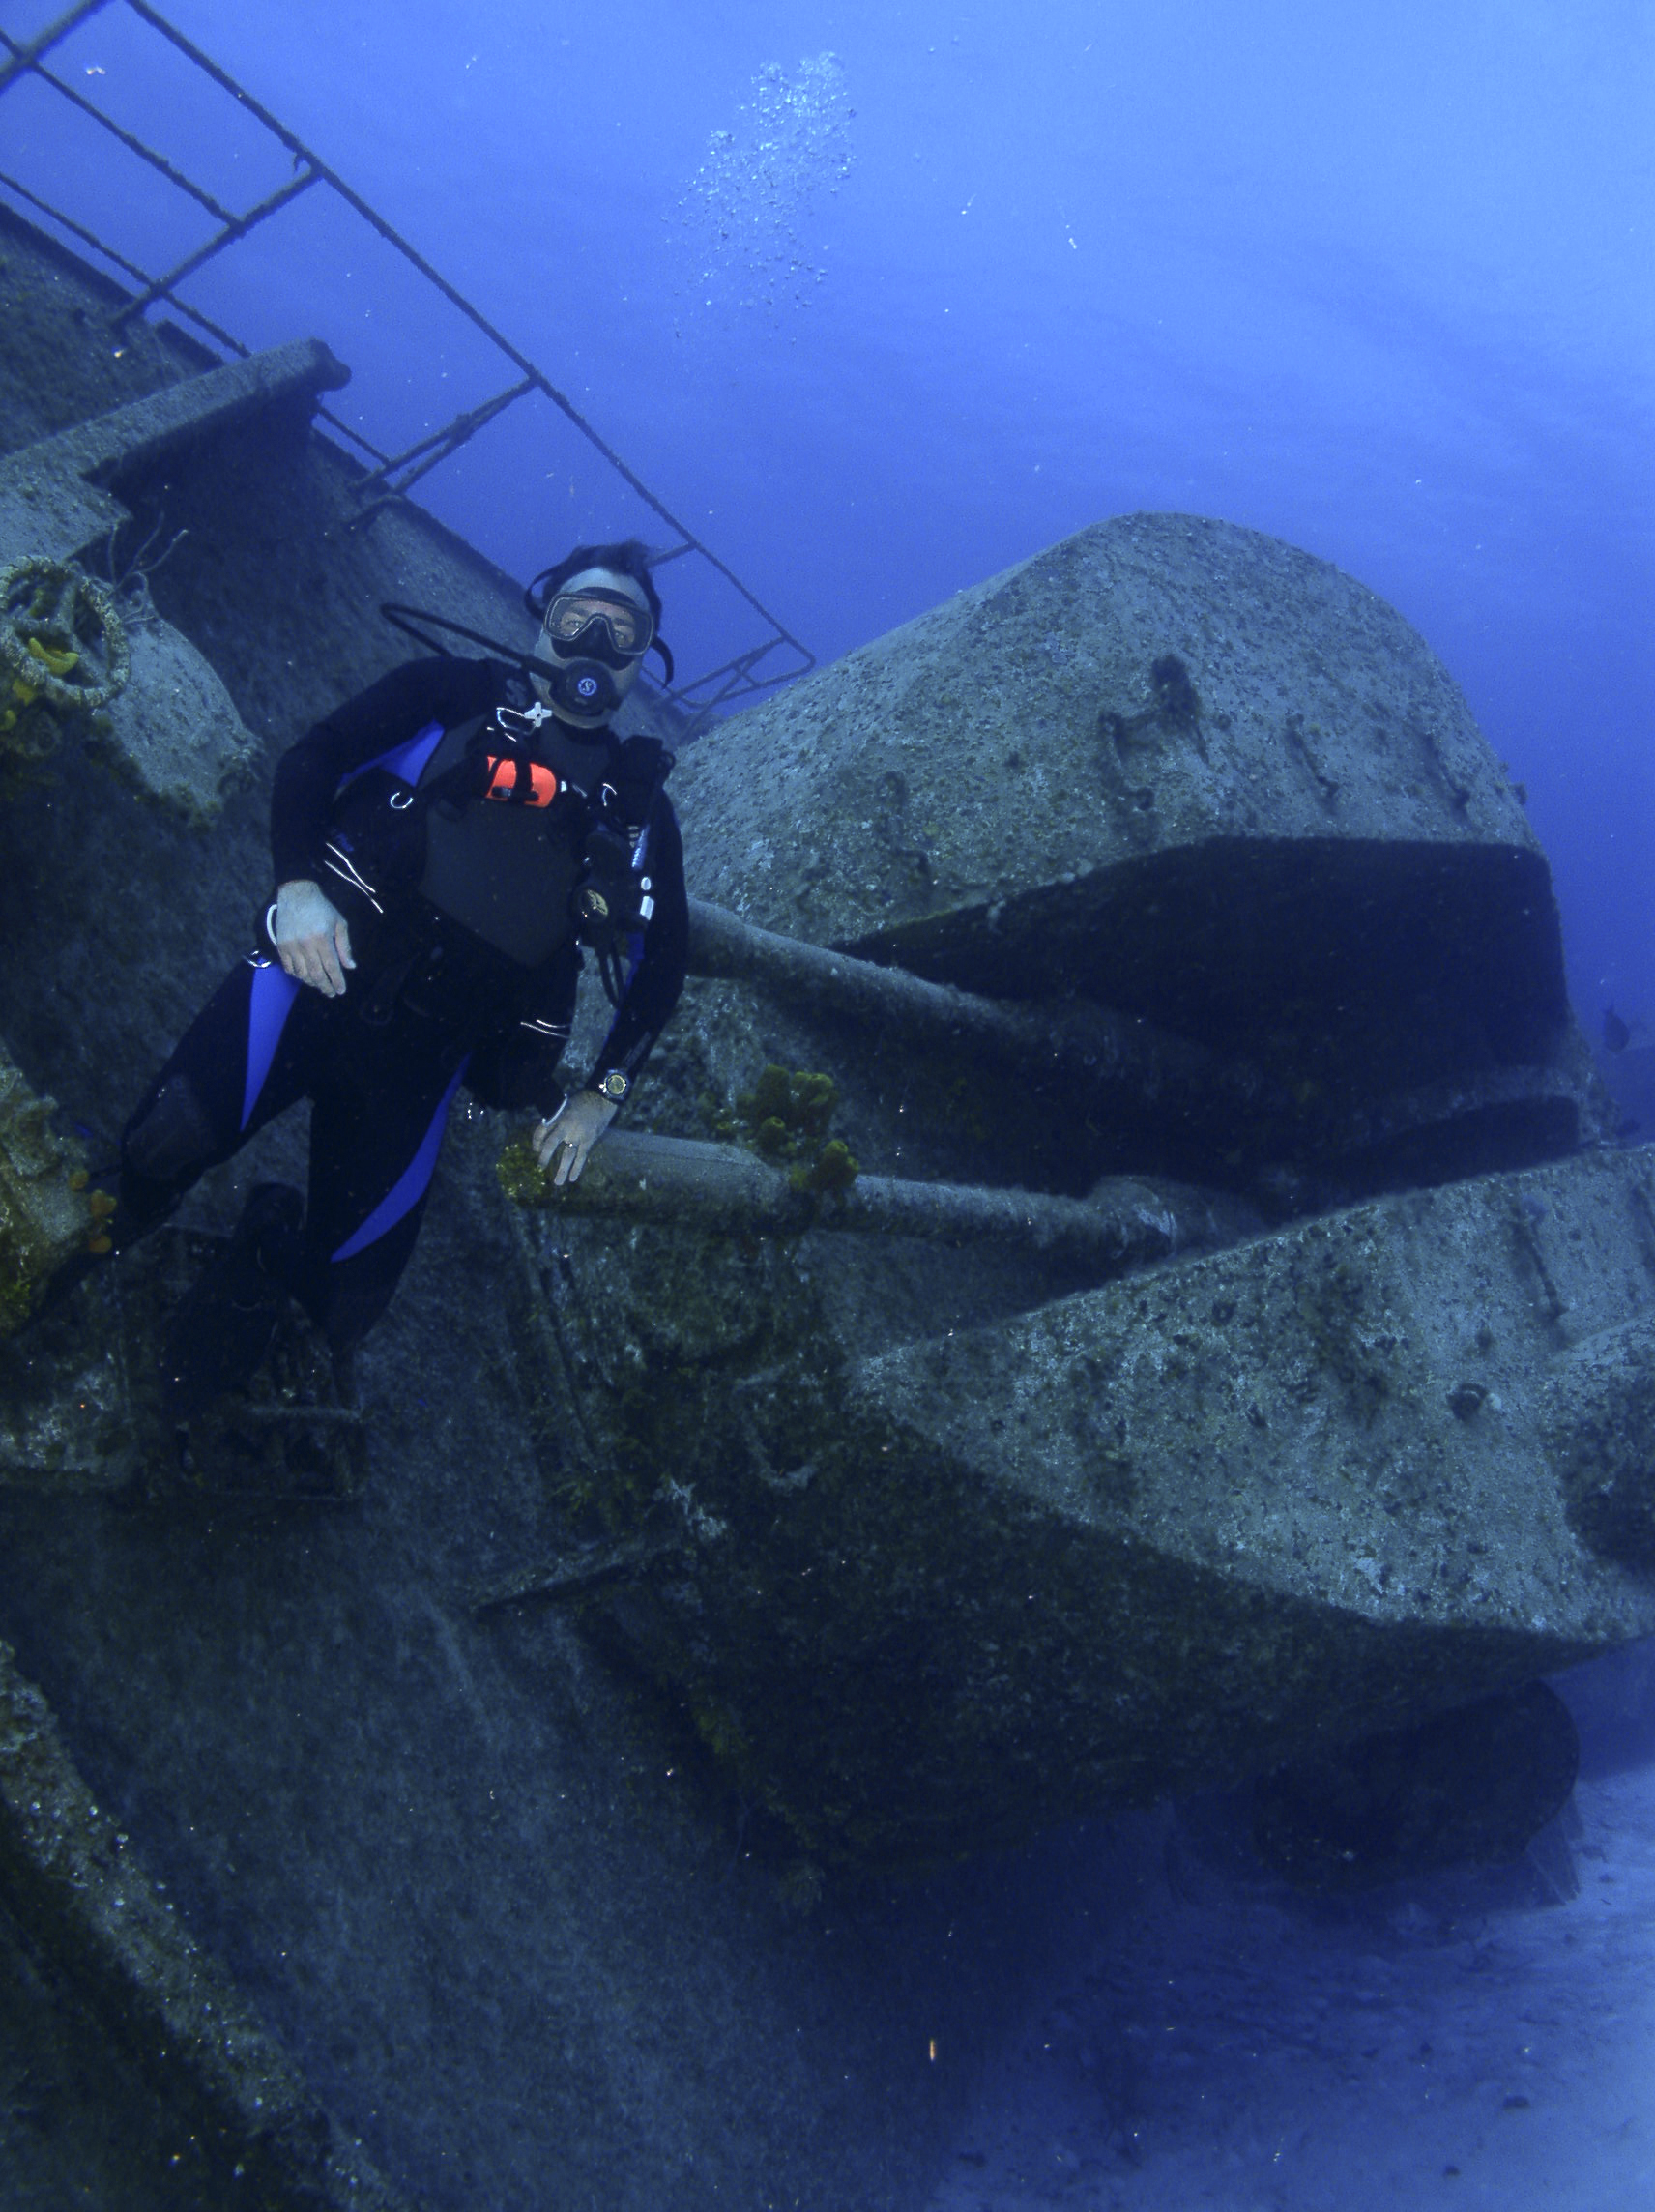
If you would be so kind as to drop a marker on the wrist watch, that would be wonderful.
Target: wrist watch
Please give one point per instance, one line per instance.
(613, 1086)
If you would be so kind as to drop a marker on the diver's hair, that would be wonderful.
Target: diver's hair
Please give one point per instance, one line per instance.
(629, 558)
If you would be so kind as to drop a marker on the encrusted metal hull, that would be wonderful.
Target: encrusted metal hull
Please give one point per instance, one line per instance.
(1147, 1538)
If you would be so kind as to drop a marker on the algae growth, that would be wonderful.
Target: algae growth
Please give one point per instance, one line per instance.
(46, 1212)
(63, 658)
(785, 1117)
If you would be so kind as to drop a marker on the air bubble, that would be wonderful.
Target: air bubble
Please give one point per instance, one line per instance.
(749, 196)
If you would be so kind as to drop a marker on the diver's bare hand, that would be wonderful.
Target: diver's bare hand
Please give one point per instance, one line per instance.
(313, 938)
(570, 1134)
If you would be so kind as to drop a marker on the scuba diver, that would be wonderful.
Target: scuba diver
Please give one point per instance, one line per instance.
(447, 845)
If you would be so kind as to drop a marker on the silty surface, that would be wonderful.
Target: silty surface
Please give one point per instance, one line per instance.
(1361, 1408)
(1223, 2045)
(475, 1900)
(964, 759)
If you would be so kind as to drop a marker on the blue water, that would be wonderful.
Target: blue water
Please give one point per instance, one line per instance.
(1378, 280)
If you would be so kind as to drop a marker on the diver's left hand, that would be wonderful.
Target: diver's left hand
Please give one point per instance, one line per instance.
(570, 1134)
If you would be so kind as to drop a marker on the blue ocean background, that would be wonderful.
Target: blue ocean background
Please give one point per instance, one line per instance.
(1378, 282)
(883, 300)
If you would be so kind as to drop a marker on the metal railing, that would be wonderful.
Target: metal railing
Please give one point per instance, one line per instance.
(386, 476)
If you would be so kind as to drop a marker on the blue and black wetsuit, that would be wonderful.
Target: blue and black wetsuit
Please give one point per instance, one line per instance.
(467, 965)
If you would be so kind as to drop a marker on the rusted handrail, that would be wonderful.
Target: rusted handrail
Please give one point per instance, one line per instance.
(736, 678)
(26, 55)
(128, 138)
(215, 332)
(237, 227)
(465, 424)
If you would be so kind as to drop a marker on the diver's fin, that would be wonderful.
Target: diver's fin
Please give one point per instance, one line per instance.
(220, 1328)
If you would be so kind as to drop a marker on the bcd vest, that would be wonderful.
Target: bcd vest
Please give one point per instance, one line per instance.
(506, 869)
(504, 825)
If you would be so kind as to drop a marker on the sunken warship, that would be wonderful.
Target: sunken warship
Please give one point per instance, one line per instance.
(1117, 1283)
(1230, 1342)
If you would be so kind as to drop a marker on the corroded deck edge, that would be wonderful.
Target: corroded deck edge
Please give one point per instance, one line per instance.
(71, 1880)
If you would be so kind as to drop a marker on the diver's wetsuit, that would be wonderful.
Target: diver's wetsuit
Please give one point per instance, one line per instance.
(434, 999)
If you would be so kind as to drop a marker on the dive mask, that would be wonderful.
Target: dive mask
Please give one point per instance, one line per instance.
(597, 626)
(593, 634)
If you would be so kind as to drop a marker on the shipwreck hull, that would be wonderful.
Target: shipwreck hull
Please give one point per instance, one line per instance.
(1252, 948)
(1147, 1538)
(1081, 1495)
(1181, 769)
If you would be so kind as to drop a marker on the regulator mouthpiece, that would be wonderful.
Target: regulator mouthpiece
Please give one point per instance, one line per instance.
(587, 690)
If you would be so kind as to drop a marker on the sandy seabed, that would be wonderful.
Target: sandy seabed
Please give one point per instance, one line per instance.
(1229, 2049)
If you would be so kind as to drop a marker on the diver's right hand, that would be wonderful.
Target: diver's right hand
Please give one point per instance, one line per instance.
(313, 938)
